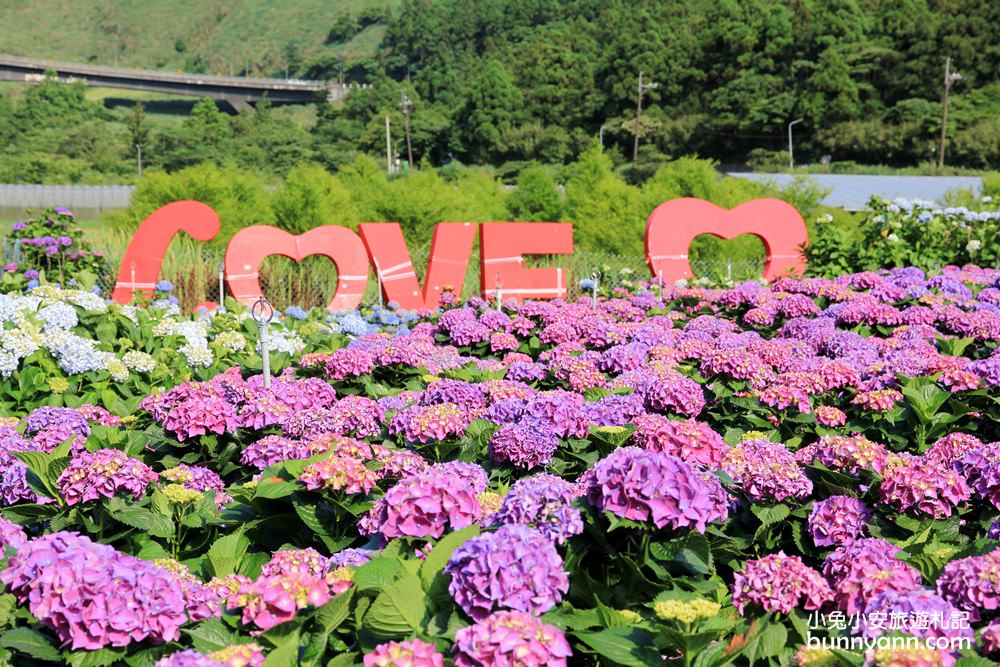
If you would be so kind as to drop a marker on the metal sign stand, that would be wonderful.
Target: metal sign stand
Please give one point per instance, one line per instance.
(263, 313)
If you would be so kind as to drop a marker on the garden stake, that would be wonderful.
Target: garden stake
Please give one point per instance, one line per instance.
(263, 313)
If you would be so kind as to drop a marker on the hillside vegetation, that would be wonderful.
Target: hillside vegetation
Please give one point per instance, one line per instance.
(510, 82)
(259, 37)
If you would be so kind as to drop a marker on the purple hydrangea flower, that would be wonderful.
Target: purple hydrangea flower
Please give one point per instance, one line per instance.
(972, 584)
(423, 505)
(116, 599)
(779, 583)
(515, 567)
(409, 653)
(527, 445)
(865, 568)
(838, 520)
(649, 486)
(544, 502)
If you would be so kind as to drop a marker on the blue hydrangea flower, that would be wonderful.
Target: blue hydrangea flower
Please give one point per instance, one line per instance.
(164, 286)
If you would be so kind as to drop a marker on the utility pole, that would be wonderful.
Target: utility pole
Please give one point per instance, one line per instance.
(949, 78)
(643, 87)
(405, 104)
(138, 159)
(791, 155)
(388, 147)
(600, 136)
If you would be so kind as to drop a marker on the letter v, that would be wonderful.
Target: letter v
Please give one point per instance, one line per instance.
(451, 247)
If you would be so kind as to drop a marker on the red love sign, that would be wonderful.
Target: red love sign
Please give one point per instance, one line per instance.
(249, 246)
(673, 225)
(502, 246)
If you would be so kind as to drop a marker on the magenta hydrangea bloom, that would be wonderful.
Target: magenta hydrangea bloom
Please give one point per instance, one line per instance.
(676, 393)
(849, 454)
(980, 467)
(397, 463)
(203, 413)
(544, 502)
(515, 567)
(924, 488)
(838, 520)
(11, 535)
(690, 440)
(339, 473)
(779, 583)
(865, 568)
(188, 658)
(409, 653)
(296, 561)
(527, 445)
(827, 415)
(990, 638)
(511, 639)
(649, 486)
(93, 596)
(767, 471)
(201, 600)
(472, 473)
(972, 584)
(277, 598)
(51, 426)
(430, 423)
(425, 504)
(273, 449)
(103, 474)
(358, 415)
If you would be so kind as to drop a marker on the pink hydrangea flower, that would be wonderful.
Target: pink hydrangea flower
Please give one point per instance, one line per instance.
(103, 474)
(424, 504)
(779, 583)
(409, 653)
(338, 473)
(511, 639)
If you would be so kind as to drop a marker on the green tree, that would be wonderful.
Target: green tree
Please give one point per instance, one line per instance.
(536, 197)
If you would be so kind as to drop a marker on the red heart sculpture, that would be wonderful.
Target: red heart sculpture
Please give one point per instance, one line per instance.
(674, 224)
(251, 245)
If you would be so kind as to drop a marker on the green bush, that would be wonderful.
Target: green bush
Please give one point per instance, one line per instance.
(238, 196)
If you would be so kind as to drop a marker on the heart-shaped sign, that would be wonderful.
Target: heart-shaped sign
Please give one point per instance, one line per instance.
(674, 224)
(251, 245)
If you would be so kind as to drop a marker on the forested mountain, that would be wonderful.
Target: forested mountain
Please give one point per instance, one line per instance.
(512, 79)
(508, 82)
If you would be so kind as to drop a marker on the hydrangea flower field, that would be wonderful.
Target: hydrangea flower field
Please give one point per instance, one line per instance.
(803, 473)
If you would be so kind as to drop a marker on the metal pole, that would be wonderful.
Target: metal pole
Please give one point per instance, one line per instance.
(406, 125)
(944, 110)
(499, 292)
(600, 136)
(791, 157)
(262, 311)
(388, 147)
(638, 117)
(138, 159)
(222, 288)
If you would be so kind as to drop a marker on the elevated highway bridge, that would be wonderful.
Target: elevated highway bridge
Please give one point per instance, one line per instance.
(239, 92)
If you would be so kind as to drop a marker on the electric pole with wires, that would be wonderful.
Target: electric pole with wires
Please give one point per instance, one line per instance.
(643, 87)
(405, 104)
(949, 78)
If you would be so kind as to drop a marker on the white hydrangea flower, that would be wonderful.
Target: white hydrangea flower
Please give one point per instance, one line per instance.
(59, 316)
(87, 300)
(140, 362)
(117, 369)
(196, 355)
(231, 341)
(8, 363)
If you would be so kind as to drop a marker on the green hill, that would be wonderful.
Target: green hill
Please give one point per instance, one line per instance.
(259, 37)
